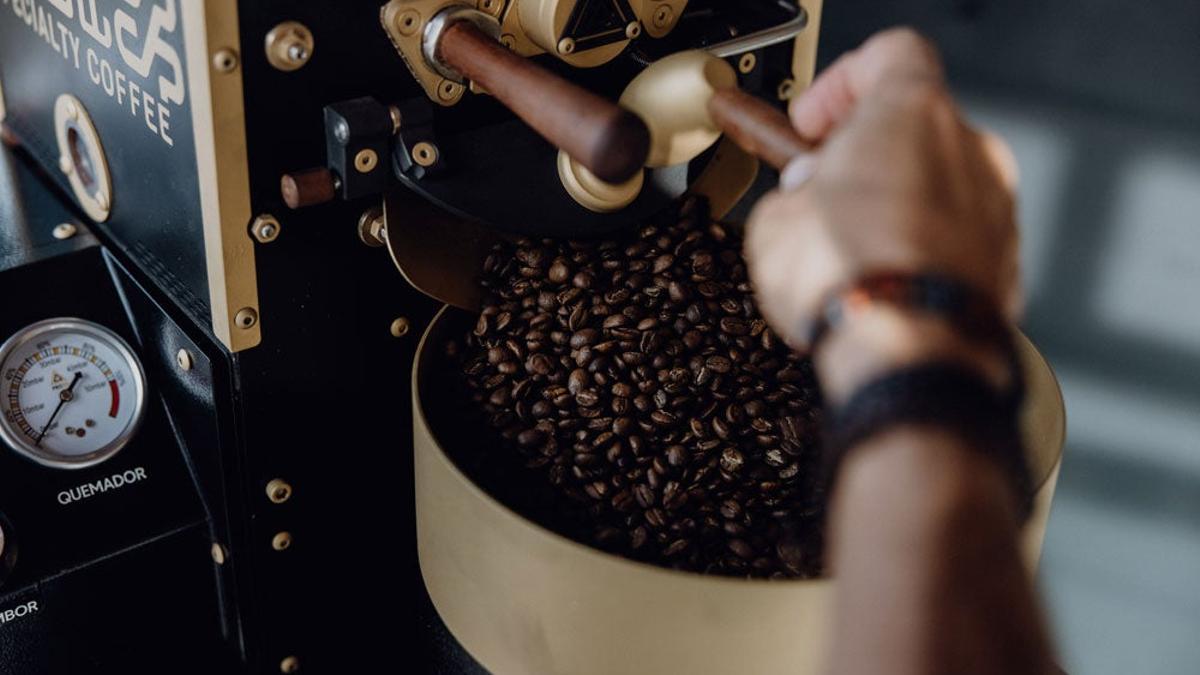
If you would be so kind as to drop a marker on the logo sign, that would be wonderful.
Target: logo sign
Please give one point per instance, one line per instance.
(129, 51)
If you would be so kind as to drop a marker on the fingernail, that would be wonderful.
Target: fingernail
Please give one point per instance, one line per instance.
(798, 172)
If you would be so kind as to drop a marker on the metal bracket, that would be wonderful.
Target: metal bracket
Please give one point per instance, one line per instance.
(762, 39)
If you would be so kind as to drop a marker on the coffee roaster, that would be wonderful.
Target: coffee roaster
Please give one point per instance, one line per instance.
(207, 439)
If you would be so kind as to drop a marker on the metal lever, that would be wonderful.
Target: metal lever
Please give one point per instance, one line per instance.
(608, 140)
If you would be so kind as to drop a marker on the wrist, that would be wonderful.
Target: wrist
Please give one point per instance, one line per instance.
(884, 338)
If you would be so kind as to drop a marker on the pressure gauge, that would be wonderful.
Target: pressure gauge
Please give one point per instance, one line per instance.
(72, 393)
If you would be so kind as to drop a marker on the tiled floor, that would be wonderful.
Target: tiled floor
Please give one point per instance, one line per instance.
(1111, 222)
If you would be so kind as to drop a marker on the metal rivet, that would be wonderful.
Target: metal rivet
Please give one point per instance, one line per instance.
(281, 541)
(566, 46)
(245, 318)
(279, 491)
(66, 165)
(183, 359)
(341, 131)
(265, 228)
(64, 231)
(217, 551)
(425, 154)
(408, 22)
(366, 161)
(663, 16)
(225, 60)
(633, 30)
(289, 665)
(400, 327)
(747, 63)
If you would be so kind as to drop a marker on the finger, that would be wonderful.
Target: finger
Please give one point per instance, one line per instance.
(797, 173)
(889, 56)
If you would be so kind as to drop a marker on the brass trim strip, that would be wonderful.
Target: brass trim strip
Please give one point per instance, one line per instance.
(804, 61)
(218, 112)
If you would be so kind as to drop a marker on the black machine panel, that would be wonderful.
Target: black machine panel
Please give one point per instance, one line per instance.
(273, 529)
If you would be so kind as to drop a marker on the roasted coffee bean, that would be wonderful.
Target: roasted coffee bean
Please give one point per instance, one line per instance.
(638, 379)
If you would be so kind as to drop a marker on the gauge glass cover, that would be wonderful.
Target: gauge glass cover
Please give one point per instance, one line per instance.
(72, 393)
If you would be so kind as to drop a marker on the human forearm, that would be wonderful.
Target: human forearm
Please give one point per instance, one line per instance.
(924, 527)
(929, 575)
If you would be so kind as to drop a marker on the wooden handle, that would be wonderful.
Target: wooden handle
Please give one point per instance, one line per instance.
(308, 187)
(757, 127)
(610, 141)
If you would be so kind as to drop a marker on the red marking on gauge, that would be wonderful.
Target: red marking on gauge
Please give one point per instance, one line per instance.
(116, 398)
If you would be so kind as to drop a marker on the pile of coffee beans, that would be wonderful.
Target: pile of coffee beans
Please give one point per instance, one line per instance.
(638, 377)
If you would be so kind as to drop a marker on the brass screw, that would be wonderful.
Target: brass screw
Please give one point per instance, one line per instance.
(265, 228)
(566, 46)
(225, 60)
(64, 231)
(407, 22)
(366, 161)
(633, 30)
(508, 40)
(217, 551)
(663, 16)
(279, 491)
(747, 63)
(245, 318)
(449, 90)
(289, 665)
(372, 229)
(281, 541)
(492, 7)
(183, 359)
(425, 154)
(786, 90)
(401, 327)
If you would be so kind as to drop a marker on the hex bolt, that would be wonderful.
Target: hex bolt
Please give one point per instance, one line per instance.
(265, 228)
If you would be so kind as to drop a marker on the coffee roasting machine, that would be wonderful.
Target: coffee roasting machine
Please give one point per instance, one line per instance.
(205, 430)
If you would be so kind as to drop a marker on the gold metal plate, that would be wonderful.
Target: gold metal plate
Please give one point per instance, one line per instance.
(804, 60)
(659, 17)
(440, 254)
(727, 178)
(219, 126)
(404, 21)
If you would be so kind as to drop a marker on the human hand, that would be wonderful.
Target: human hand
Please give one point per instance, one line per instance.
(901, 183)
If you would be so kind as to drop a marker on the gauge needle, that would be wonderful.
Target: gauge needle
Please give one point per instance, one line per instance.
(63, 396)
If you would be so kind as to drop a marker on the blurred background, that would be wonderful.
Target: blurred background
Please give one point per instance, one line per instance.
(1100, 100)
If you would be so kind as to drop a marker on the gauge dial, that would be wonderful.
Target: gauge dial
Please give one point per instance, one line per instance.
(71, 393)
